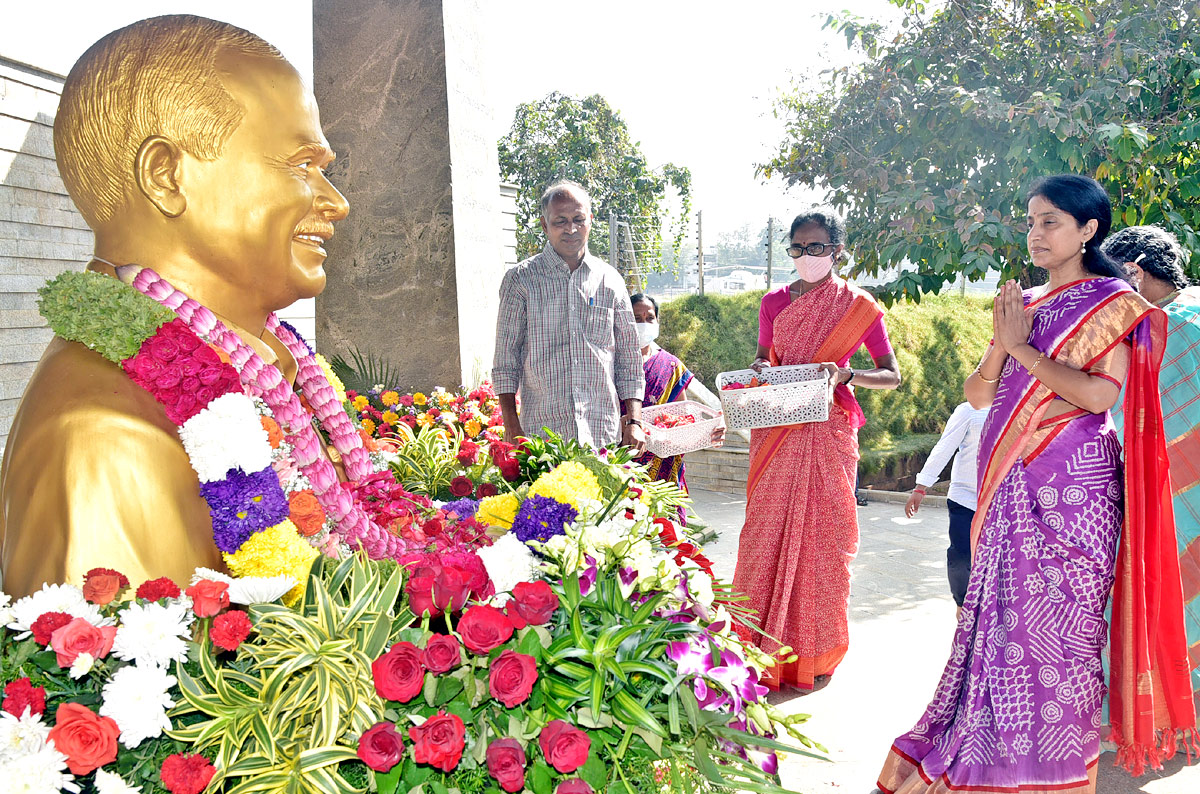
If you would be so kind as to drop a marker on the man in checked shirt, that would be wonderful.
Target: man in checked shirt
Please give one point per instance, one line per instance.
(565, 337)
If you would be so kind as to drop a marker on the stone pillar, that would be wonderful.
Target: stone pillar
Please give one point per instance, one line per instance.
(414, 271)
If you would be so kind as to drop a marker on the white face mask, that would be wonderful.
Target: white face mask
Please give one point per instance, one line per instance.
(812, 268)
(646, 332)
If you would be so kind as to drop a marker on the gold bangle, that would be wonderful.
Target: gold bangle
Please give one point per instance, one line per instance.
(1039, 361)
(979, 372)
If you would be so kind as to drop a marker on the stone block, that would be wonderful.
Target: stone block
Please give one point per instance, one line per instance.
(398, 83)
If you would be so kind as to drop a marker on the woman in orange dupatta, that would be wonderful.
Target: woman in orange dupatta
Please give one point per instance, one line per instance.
(801, 529)
(1060, 519)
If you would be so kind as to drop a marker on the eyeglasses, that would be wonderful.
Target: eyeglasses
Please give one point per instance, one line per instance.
(812, 249)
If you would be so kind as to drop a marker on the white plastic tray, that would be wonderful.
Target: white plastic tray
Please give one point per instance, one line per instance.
(667, 441)
(794, 395)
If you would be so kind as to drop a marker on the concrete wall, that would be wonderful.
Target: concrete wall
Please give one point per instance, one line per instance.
(41, 233)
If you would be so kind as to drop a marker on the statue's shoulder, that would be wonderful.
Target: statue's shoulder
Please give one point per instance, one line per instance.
(76, 392)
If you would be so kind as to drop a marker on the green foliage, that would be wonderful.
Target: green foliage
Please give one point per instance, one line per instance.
(587, 141)
(711, 333)
(284, 715)
(938, 342)
(932, 143)
(425, 462)
(108, 316)
(364, 371)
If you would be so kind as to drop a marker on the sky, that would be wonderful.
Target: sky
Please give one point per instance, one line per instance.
(695, 81)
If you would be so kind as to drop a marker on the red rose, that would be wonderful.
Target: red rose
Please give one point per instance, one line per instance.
(485, 490)
(230, 629)
(101, 585)
(398, 674)
(22, 694)
(208, 597)
(510, 469)
(439, 741)
(468, 453)
(186, 774)
(46, 624)
(535, 602)
(460, 486)
(499, 450)
(511, 677)
(575, 785)
(564, 746)
(154, 589)
(442, 654)
(80, 636)
(483, 628)
(381, 747)
(88, 740)
(506, 763)
(435, 588)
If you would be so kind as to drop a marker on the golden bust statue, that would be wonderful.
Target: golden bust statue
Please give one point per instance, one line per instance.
(193, 147)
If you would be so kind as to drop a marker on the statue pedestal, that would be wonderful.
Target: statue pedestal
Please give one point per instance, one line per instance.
(413, 273)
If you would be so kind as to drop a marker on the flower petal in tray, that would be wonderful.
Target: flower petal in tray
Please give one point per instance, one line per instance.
(684, 436)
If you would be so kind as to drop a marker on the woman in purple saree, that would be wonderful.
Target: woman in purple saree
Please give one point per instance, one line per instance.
(1018, 708)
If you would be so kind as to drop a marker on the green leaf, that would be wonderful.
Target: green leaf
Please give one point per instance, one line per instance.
(540, 778)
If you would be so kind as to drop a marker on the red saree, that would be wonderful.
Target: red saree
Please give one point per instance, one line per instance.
(801, 529)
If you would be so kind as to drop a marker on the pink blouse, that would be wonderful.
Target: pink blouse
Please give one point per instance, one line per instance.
(775, 301)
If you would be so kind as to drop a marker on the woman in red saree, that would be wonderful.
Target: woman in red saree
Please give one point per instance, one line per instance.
(801, 529)
(1061, 520)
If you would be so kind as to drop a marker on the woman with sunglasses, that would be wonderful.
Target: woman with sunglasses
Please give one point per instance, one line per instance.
(801, 529)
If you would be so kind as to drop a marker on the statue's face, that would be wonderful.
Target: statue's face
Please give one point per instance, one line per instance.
(257, 215)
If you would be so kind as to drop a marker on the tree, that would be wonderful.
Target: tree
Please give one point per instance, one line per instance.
(931, 145)
(586, 141)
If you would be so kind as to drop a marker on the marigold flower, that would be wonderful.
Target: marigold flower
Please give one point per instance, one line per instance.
(274, 431)
(389, 398)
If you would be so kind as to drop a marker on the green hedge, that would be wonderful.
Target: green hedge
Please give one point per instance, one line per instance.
(938, 342)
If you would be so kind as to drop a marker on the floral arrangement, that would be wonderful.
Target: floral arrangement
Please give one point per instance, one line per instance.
(666, 421)
(468, 412)
(462, 615)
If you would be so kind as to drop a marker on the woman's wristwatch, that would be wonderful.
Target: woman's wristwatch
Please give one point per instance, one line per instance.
(637, 422)
(850, 379)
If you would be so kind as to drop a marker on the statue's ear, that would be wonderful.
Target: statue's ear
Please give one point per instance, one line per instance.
(157, 168)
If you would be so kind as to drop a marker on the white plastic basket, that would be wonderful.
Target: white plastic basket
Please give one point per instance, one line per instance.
(664, 442)
(794, 395)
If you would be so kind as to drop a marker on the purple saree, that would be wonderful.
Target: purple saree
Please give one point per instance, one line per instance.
(1018, 708)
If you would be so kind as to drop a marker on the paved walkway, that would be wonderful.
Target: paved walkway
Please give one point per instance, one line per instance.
(901, 625)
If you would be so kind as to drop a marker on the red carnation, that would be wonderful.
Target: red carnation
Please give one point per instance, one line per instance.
(564, 746)
(381, 747)
(208, 597)
(399, 674)
(155, 589)
(101, 585)
(439, 741)
(485, 490)
(442, 654)
(22, 694)
(484, 628)
(186, 774)
(506, 762)
(511, 677)
(468, 453)
(230, 629)
(460, 486)
(46, 624)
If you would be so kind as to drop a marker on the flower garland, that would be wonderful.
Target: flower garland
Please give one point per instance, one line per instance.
(161, 339)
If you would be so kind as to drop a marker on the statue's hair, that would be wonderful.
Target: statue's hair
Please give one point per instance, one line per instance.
(154, 77)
